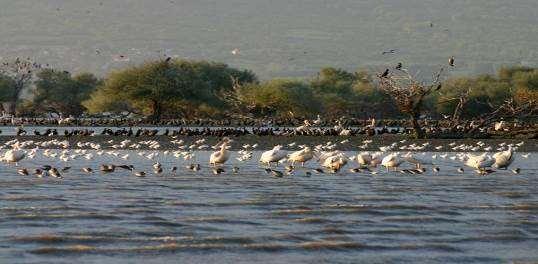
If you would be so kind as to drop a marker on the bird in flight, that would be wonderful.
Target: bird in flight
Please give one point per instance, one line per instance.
(451, 61)
(392, 51)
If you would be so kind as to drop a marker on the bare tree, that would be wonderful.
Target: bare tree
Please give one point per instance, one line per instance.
(409, 94)
(462, 99)
(509, 109)
(22, 72)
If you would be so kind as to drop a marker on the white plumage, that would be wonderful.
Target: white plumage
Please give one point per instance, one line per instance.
(503, 159)
(14, 155)
(301, 156)
(335, 162)
(273, 155)
(364, 158)
(391, 161)
(479, 162)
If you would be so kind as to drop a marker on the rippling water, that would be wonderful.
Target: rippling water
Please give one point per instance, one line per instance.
(198, 217)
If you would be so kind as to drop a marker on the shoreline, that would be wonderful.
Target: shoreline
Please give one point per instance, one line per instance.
(267, 142)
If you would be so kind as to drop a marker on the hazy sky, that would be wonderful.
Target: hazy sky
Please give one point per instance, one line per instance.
(273, 37)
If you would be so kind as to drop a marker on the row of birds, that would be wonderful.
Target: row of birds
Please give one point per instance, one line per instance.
(329, 159)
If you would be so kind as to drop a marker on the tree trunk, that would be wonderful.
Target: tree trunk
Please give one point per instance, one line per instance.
(156, 109)
(419, 133)
(11, 107)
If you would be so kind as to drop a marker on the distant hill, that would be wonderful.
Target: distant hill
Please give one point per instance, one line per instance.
(276, 38)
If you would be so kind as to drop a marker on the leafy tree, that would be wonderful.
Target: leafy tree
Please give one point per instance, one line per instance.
(526, 86)
(154, 87)
(6, 87)
(58, 91)
(279, 97)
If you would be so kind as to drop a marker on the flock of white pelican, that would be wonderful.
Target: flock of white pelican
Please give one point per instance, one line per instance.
(328, 158)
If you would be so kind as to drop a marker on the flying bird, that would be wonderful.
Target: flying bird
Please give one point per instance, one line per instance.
(392, 51)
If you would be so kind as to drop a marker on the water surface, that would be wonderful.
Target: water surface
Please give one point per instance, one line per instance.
(198, 217)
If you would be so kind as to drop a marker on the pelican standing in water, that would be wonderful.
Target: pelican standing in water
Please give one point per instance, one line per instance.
(221, 156)
(503, 159)
(391, 161)
(479, 162)
(335, 162)
(301, 156)
(14, 155)
(273, 156)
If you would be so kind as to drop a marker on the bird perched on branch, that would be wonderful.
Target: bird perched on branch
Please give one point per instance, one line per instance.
(385, 73)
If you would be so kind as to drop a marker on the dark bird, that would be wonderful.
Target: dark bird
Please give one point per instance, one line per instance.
(126, 167)
(217, 171)
(460, 170)
(87, 170)
(318, 170)
(107, 168)
(194, 167)
(23, 171)
(158, 170)
(484, 171)
(355, 170)
(451, 61)
(64, 169)
(276, 173)
(289, 168)
(392, 51)
(399, 66)
(439, 86)
(55, 173)
(40, 173)
(174, 169)
(140, 174)
(168, 59)
(385, 73)
(436, 169)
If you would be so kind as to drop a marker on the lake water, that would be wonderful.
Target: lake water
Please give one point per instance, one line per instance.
(198, 217)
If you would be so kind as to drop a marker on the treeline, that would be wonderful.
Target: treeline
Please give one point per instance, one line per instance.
(189, 89)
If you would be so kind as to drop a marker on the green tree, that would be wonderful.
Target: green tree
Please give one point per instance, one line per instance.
(59, 92)
(157, 87)
(279, 97)
(6, 87)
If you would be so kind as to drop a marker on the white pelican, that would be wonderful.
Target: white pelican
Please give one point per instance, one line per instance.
(335, 162)
(364, 158)
(301, 156)
(479, 162)
(391, 161)
(503, 159)
(220, 157)
(273, 155)
(14, 156)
